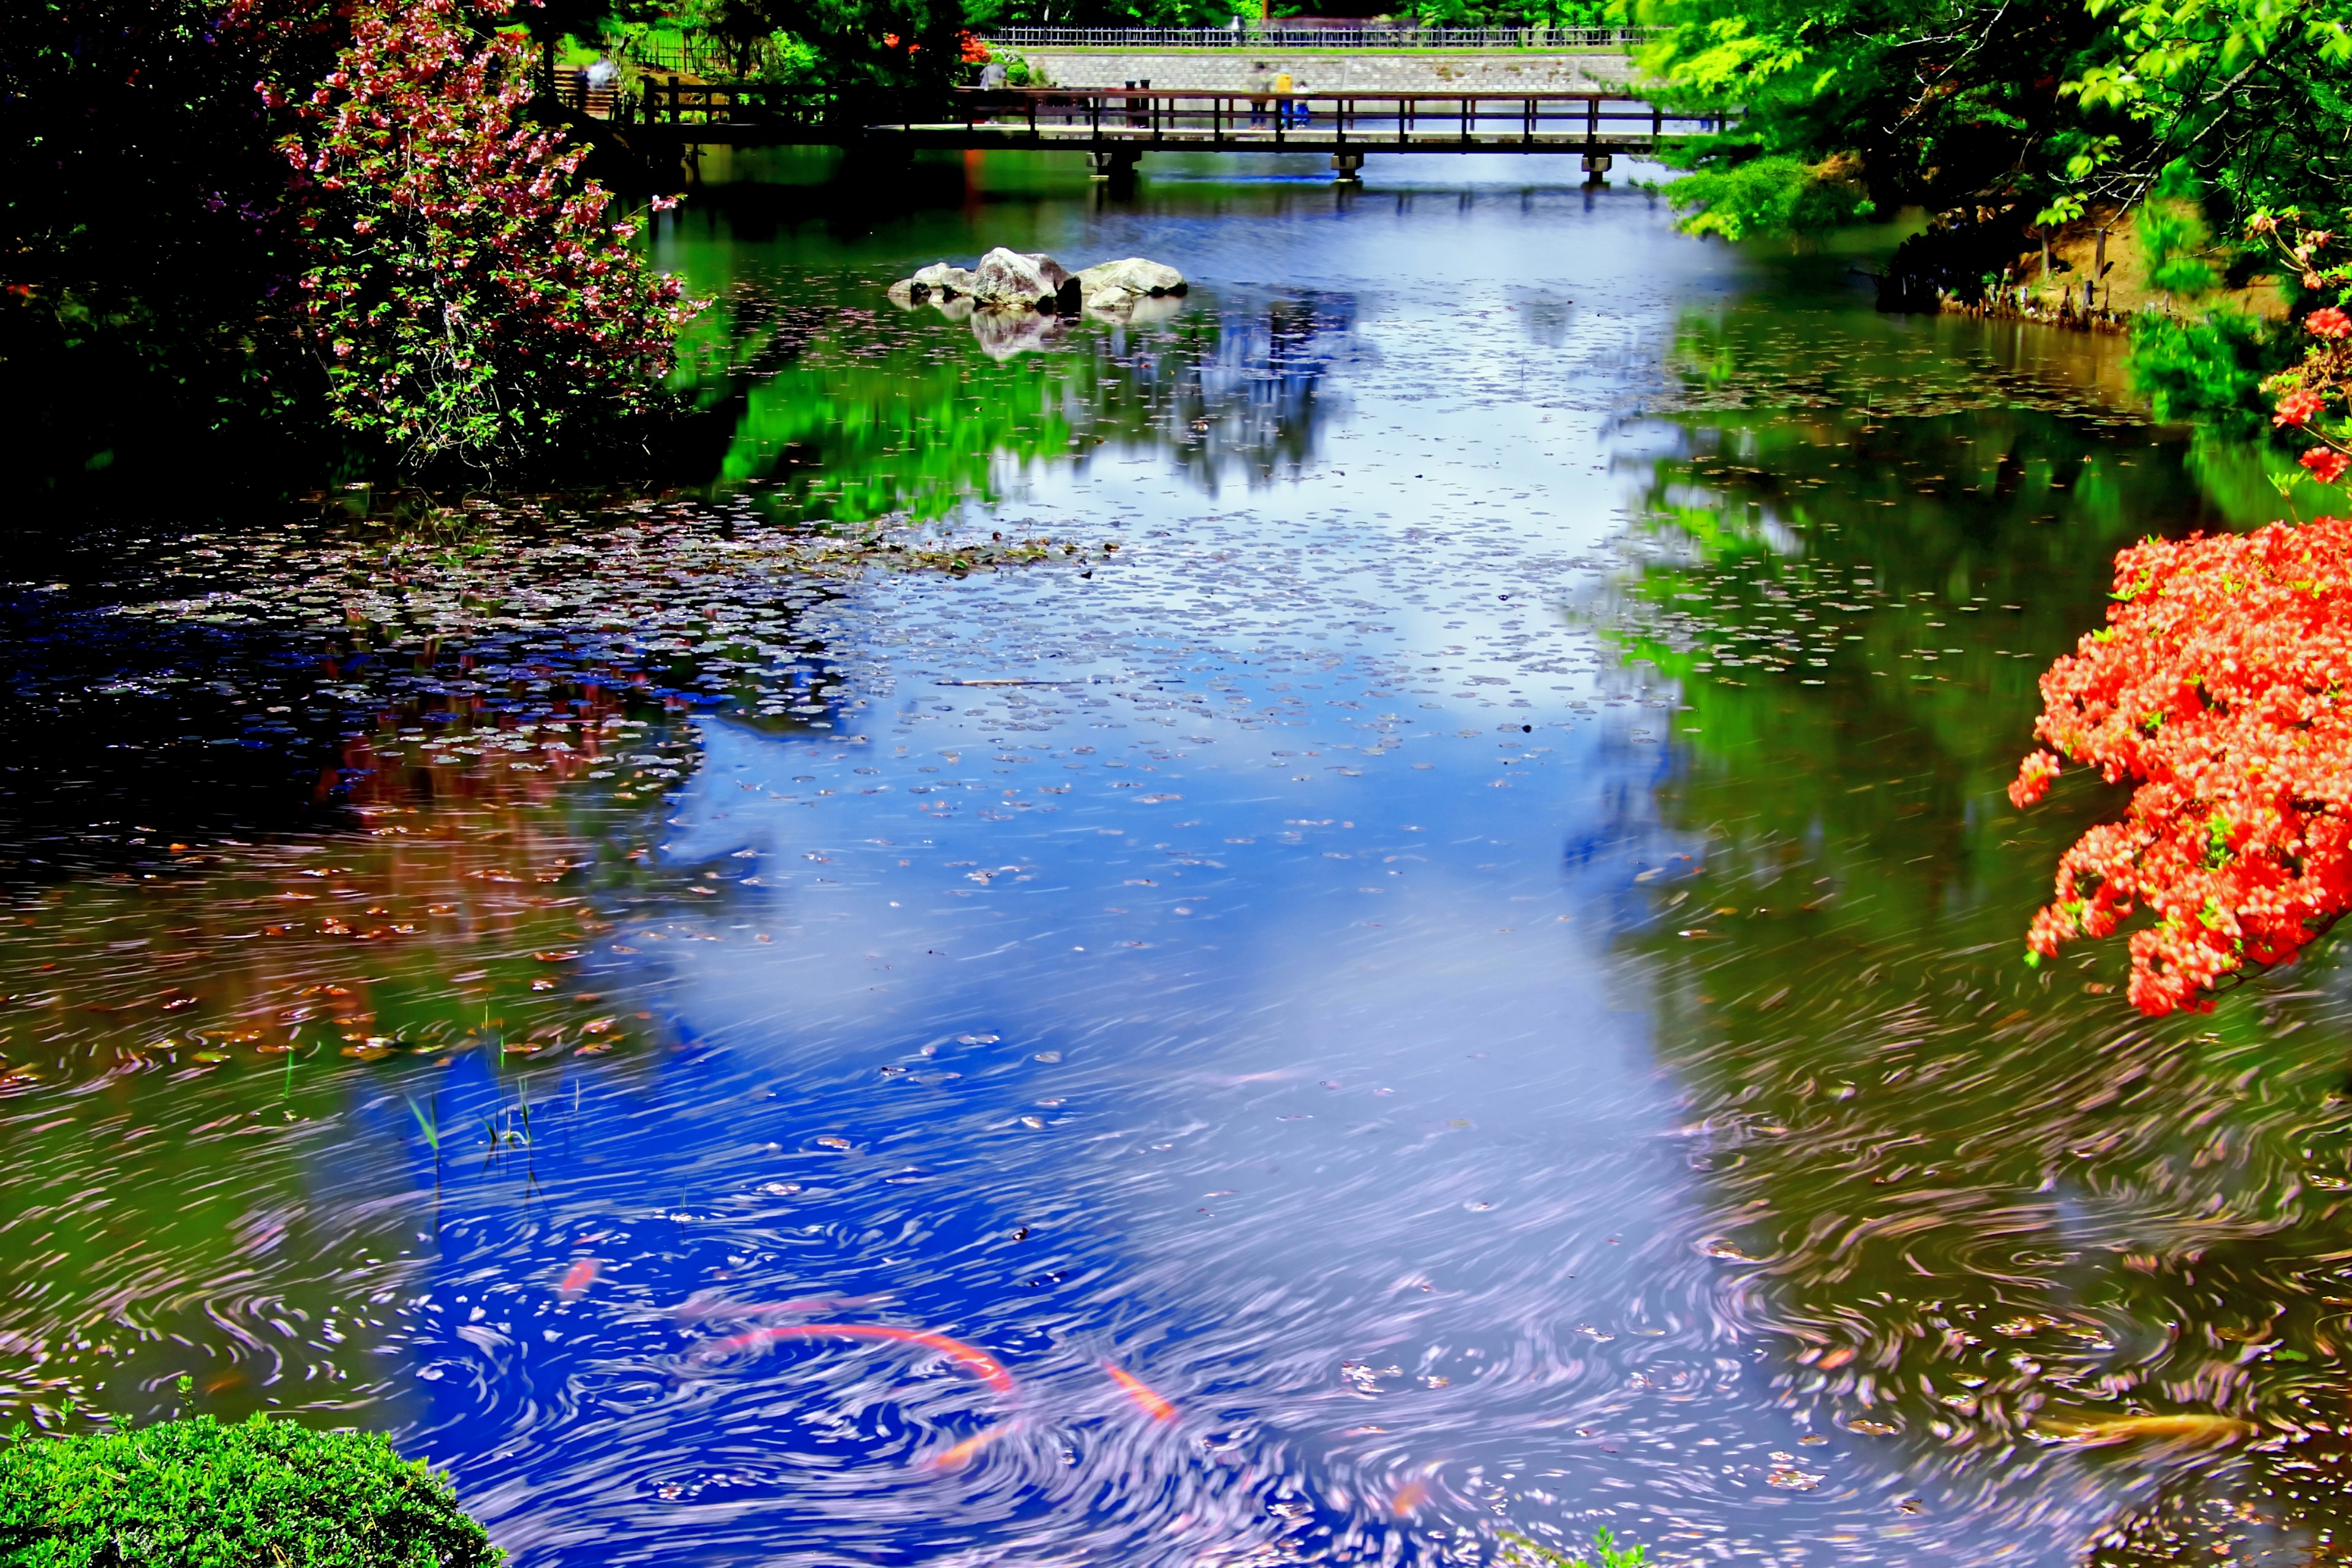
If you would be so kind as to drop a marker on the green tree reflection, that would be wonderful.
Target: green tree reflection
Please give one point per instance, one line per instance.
(1978, 1204)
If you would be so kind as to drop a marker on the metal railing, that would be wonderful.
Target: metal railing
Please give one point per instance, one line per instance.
(706, 103)
(695, 56)
(1099, 118)
(1403, 37)
(1371, 120)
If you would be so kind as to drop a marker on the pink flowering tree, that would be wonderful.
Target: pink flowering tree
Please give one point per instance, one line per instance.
(471, 299)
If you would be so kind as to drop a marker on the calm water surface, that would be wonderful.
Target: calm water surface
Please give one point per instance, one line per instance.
(1474, 955)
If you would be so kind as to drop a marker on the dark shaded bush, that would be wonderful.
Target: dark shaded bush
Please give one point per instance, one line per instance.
(2210, 371)
(195, 1494)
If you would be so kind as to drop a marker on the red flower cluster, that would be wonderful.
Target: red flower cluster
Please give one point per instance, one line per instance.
(2306, 391)
(2223, 683)
(470, 296)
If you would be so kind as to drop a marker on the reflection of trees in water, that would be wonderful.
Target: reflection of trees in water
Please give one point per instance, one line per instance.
(1971, 1201)
(874, 415)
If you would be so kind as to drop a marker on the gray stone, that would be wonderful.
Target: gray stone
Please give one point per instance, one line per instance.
(1052, 270)
(1008, 280)
(1115, 288)
(942, 278)
(1133, 276)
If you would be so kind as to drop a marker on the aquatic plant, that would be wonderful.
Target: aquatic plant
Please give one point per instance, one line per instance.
(2219, 684)
(469, 298)
(196, 1491)
(1520, 1549)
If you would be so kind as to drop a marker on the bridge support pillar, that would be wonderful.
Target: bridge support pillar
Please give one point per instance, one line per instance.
(1348, 168)
(1114, 162)
(1596, 168)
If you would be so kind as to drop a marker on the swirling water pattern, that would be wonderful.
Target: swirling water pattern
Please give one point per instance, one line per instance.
(1473, 956)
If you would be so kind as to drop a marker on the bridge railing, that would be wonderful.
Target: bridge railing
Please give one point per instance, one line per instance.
(670, 102)
(1373, 118)
(1309, 38)
(1203, 119)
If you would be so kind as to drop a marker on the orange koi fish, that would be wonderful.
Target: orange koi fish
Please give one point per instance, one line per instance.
(963, 1453)
(583, 1275)
(1146, 1399)
(1409, 1499)
(979, 1362)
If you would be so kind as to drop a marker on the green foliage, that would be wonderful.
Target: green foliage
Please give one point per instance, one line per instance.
(1110, 13)
(2173, 234)
(195, 1494)
(1520, 13)
(1775, 194)
(1945, 104)
(1524, 1553)
(2197, 366)
(142, 224)
(2008, 117)
(2207, 371)
(2253, 90)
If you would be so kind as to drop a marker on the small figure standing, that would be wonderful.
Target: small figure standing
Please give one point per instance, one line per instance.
(597, 82)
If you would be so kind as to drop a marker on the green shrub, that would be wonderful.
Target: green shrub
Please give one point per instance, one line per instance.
(2208, 372)
(1775, 195)
(195, 1494)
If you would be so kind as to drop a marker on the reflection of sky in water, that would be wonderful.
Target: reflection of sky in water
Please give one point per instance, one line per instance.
(1242, 1002)
(1480, 1069)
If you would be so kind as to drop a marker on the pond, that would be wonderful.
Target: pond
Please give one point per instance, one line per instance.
(1369, 914)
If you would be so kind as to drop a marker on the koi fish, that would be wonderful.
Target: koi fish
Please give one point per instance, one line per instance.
(979, 1362)
(2195, 1427)
(582, 1274)
(1409, 1499)
(1146, 1399)
(963, 1453)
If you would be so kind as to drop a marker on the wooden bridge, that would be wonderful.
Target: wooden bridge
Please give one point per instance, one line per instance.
(1118, 126)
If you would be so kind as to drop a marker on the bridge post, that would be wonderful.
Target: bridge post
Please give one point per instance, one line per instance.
(1113, 163)
(1347, 168)
(1596, 168)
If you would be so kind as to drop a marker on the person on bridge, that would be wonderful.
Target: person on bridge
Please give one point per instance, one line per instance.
(1281, 99)
(596, 83)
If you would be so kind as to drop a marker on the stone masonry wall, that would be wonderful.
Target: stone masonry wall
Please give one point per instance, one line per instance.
(1240, 70)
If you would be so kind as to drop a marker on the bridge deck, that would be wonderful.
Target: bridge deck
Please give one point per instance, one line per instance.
(1144, 120)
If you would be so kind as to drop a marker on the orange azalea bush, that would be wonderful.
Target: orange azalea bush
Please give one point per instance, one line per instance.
(2223, 683)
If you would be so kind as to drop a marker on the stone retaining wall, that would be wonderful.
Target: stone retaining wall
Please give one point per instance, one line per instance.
(1242, 71)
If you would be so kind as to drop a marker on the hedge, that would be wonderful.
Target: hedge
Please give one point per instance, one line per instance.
(196, 1494)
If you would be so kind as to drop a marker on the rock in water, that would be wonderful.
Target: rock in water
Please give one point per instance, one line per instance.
(1009, 281)
(941, 278)
(1054, 272)
(1116, 286)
